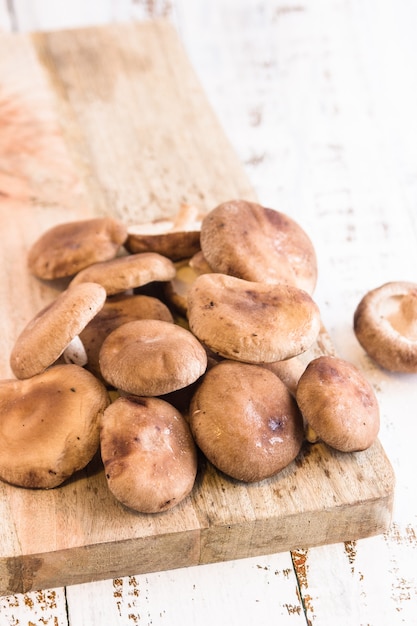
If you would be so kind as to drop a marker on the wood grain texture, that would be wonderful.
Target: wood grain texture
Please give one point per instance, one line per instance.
(145, 133)
(118, 124)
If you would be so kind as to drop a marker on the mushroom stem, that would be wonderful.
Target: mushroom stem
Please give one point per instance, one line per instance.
(75, 352)
(404, 320)
(310, 434)
(409, 305)
(187, 217)
(409, 310)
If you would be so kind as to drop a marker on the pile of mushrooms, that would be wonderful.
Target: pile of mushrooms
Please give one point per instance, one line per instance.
(170, 341)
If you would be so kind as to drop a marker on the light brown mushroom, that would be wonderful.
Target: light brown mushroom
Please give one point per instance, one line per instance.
(127, 272)
(177, 238)
(116, 311)
(289, 371)
(385, 324)
(249, 241)
(148, 452)
(65, 249)
(199, 263)
(176, 290)
(245, 421)
(49, 425)
(151, 358)
(338, 404)
(47, 335)
(250, 321)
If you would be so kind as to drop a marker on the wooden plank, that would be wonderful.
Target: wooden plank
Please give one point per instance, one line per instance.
(130, 133)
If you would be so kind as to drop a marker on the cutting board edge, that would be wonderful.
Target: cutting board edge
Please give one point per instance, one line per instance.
(193, 547)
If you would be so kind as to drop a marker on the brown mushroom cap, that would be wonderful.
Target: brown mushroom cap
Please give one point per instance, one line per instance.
(249, 321)
(116, 311)
(151, 358)
(65, 249)
(339, 404)
(148, 452)
(177, 238)
(249, 241)
(49, 426)
(245, 421)
(46, 336)
(127, 272)
(385, 324)
(174, 245)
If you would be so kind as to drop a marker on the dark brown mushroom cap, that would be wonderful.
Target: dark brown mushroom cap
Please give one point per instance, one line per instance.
(127, 272)
(339, 404)
(385, 324)
(65, 249)
(46, 336)
(249, 241)
(250, 321)
(148, 452)
(151, 358)
(175, 245)
(116, 311)
(245, 421)
(176, 238)
(49, 426)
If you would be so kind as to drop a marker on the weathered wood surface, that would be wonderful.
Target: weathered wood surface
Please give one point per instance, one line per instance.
(318, 102)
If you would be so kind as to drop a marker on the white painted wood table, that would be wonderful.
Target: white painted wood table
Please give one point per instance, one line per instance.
(319, 101)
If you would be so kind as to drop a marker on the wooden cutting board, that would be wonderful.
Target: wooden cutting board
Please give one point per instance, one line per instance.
(113, 121)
